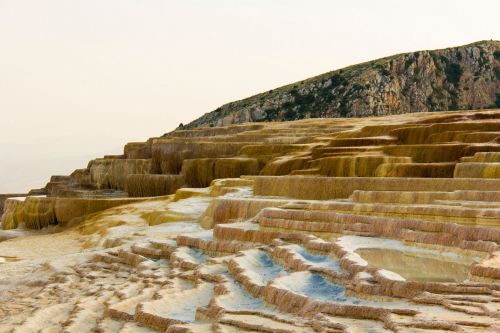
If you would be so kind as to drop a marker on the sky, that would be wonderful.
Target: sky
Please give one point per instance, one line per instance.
(80, 78)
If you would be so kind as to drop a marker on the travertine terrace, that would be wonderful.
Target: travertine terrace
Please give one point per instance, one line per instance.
(386, 224)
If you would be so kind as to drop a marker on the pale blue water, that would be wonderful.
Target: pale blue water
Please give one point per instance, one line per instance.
(240, 299)
(322, 261)
(198, 255)
(267, 268)
(320, 288)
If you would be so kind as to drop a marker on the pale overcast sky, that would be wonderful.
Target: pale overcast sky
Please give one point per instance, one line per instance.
(80, 78)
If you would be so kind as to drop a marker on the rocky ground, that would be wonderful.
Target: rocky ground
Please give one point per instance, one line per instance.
(369, 225)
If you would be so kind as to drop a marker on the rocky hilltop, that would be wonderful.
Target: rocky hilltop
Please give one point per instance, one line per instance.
(378, 224)
(458, 78)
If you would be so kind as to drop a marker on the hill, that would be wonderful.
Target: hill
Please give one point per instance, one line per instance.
(457, 78)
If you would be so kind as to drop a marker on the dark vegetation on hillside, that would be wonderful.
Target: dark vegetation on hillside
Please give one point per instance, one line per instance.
(459, 78)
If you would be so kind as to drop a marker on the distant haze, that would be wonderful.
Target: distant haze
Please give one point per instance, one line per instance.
(80, 78)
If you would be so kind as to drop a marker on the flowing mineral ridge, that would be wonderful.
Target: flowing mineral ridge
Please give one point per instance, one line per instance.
(370, 224)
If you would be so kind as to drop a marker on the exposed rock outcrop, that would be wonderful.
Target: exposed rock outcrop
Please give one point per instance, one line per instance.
(458, 78)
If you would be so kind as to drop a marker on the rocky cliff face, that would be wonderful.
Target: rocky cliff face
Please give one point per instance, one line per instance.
(458, 78)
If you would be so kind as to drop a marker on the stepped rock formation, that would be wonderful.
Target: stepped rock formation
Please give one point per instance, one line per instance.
(386, 224)
(458, 78)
